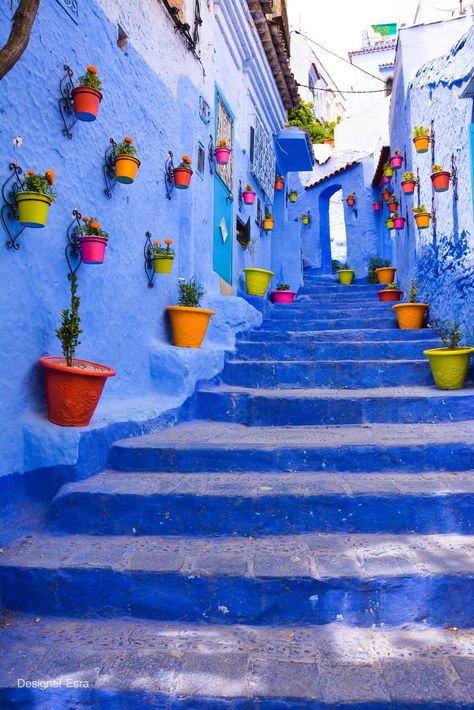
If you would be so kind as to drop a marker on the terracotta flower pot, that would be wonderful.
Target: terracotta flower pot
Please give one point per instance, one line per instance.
(182, 177)
(93, 249)
(408, 187)
(410, 316)
(441, 181)
(422, 220)
(268, 225)
(392, 206)
(449, 366)
(283, 296)
(386, 274)
(390, 294)
(86, 103)
(223, 155)
(163, 263)
(249, 197)
(257, 281)
(386, 195)
(376, 206)
(126, 167)
(73, 393)
(421, 143)
(189, 325)
(396, 161)
(350, 201)
(32, 209)
(399, 222)
(279, 185)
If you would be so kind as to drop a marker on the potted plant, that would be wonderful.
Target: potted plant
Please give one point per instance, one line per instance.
(375, 262)
(396, 160)
(393, 203)
(386, 274)
(163, 257)
(283, 294)
(34, 197)
(183, 173)
(126, 162)
(391, 292)
(422, 217)
(306, 218)
(386, 179)
(390, 223)
(345, 274)
(249, 195)
(87, 96)
(279, 182)
(398, 222)
(421, 139)
(440, 178)
(189, 322)
(73, 386)
(386, 194)
(351, 199)
(449, 365)
(223, 151)
(376, 206)
(256, 280)
(93, 241)
(411, 315)
(387, 170)
(408, 183)
(292, 196)
(268, 221)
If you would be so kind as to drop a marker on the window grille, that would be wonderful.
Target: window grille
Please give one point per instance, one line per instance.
(263, 160)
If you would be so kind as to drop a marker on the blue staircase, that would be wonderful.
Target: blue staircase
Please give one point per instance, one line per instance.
(305, 540)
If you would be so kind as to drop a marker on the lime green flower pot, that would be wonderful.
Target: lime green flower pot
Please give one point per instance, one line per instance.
(32, 209)
(257, 281)
(345, 276)
(163, 264)
(449, 366)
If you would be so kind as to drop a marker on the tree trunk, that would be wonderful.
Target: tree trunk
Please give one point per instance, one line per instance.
(17, 42)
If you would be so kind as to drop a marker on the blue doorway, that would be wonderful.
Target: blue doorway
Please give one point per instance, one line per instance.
(223, 223)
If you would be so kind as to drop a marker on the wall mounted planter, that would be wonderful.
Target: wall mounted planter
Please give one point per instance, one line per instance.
(345, 276)
(189, 325)
(282, 296)
(408, 187)
(376, 206)
(33, 209)
(92, 249)
(390, 223)
(386, 274)
(126, 168)
(163, 264)
(182, 177)
(386, 179)
(410, 316)
(248, 197)
(222, 154)
(399, 222)
(388, 172)
(279, 184)
(267, 224)
(392, 206)
(449, 366)
(293, 196)
(350, 201)
(386, 194)
(422, 220)
(86, 103)
(396, 161)
(440, 181)
(257, 281)
(389, 295)
(422, 143)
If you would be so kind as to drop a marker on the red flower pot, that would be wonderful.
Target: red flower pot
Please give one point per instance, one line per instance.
(92, 249)
(283, 296)
(408, 187)
(393, 206)
(386, 195)
(73, 393)
(223, 155)
(86, 102)
(377, 206)
(249, 197)
(182, 177)
(396, 161)
(389, 295)
(441, 181)
(399, 222)
(279, 185)
(350, 201)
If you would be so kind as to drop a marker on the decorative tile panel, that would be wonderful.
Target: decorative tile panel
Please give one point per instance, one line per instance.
(264, 162)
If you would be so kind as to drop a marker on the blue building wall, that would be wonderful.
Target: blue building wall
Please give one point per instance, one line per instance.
(440, 259)
(151, 92)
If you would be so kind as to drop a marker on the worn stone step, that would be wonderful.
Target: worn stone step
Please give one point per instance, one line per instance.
(308, 579)
(309, 349)
(212, 446)
(134, 663)
(382, 321)
(319, 311)
(327, 373)
(294, 407)
(265, 503)
(264, 334)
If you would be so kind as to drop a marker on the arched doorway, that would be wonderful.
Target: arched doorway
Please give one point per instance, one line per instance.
(332, 226)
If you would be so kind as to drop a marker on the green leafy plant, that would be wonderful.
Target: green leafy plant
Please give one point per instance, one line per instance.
(91, 228)
(335, 265)
(391, 287)
(375, 262)
(396, 152)
(344, 267)
(190, 293)
(159, 250)
(69, 331)
(387, 166)
(41, 184)
(420, 209)
(393, 198)
(409, 176)
(304, 118)
(90, 78)
(268, 214)
(420, 131)
(126, 147)
(249, 188)
(282, 287)
(449, 332)
(413, 293)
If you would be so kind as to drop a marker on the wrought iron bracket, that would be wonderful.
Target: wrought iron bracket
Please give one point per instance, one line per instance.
(211, 154)
(66, 103)
(73, 246)
(418, 194)
(433, 142)
(109, 169)
(9, 210)
(169, 175)
(433, 214)
(407, 222)
(240, 196)
(454, 177)
(149, 262)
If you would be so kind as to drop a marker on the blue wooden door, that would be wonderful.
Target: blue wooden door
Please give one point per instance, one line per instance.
(223, 238)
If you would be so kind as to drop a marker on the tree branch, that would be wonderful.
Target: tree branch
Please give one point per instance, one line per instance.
(17, 42)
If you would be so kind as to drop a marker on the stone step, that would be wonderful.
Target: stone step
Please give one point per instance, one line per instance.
(310, 349)
(134, 663)
(319, 311)
(212, 446)
(327, 373)
(308, 579)
(297, 324)
(357, 334)
(295, 407)
(265, 504)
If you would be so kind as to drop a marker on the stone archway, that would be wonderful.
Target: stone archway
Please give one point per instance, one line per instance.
(331, 226)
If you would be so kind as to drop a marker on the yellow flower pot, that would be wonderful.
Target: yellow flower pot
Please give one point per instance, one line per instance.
(449, 366)
(163, 264)
(126, 167)
(410, 316)
(386, 274)
(257, 281)
(345, 276)
(268, 225)
(422, 220)
(293, 196)
(421, 143)
(32, 209)
(189, 325)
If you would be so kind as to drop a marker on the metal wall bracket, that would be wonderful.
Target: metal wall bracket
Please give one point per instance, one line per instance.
(454, 177)
(109, 169)
(432, 142)
(73, 247)
(149, 261)
(211, 154)
(241, 196)
(66, 103)
(9, 210)
(418, 194)
(169, 175)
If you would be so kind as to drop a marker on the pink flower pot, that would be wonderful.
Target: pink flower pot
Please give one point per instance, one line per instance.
(396, 161)
(386, 179)
(377, 206)
(283, 296)
(249, 197)
(399, 222)
(93, 249)
(223, 155)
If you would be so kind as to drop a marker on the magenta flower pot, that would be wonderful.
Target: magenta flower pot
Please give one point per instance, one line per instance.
(283, 296)
(93, 249)
(249, 197)
(399, 222)
(223, 155)
(396, 161)
(386, 179)
(377, 206)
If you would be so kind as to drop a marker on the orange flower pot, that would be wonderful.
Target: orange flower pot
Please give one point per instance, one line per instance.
(386, 274)
(350, 201)
(189, 325)
(182, 177)
(126, 167)
(422, 220)
(441, 181)
(410, 316)
(268, 225)
(279, 185)
(408, 187)
(86, 102)
(73, 393)
(422, 143)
